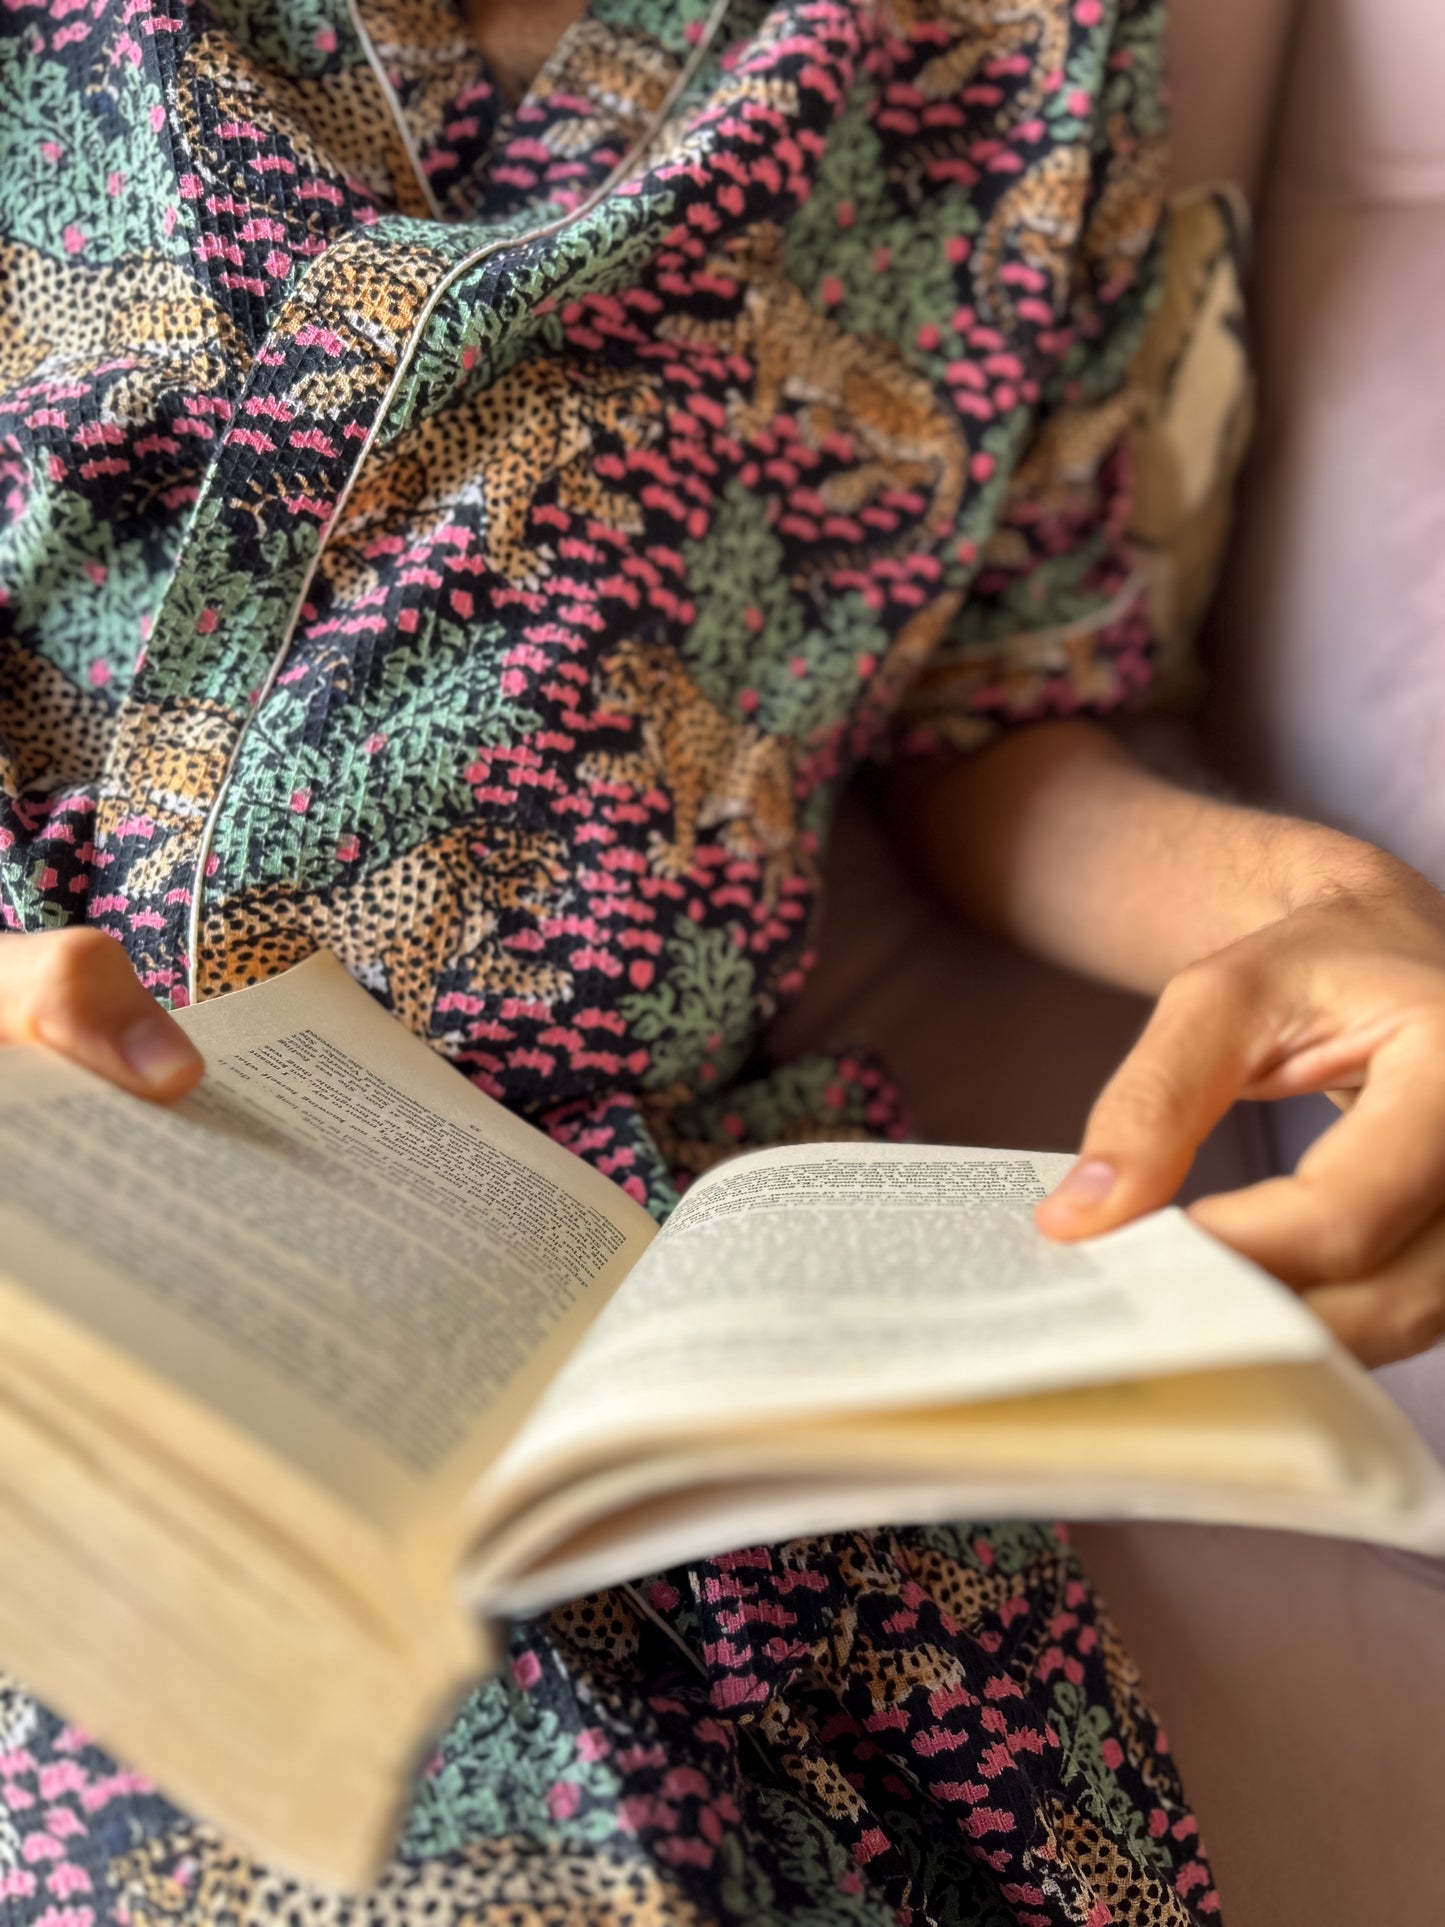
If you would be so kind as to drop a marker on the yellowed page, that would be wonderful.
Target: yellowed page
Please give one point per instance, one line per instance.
(336, 1246)
(1313, 1447)
(860, 1277)
(245, 1687)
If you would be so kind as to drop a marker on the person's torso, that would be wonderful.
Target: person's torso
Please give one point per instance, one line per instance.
(479, 540)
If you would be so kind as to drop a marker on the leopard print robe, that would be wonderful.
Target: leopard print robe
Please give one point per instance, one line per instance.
(481, 540)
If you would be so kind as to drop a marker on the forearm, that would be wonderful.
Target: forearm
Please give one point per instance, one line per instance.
(1057, 838)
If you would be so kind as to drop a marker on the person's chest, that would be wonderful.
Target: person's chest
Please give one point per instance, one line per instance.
(496, 595)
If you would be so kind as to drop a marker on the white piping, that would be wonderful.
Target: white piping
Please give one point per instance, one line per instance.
(1038, 648)
(1034, 647)
(500, 246)
(413, 152)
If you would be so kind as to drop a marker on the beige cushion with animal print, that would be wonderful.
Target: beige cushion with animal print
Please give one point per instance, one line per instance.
(1194, 410)
(1117, 514)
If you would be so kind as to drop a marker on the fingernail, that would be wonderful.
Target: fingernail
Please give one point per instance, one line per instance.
(156, 1051)
(1089, 1183)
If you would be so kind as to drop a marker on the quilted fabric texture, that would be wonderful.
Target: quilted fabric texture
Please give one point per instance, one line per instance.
(482, 541)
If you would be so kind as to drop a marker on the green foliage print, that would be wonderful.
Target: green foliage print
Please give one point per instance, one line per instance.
(101, 182)
(488, 317)
(1083, 1727)
(294, 39)
(668, 21)
(1012, 1546)
(1083, 75)
(696, 1019)
(22, 890)
(77, 593)
(501, 1759)
(218, 628)
(960, 1892)
(481, 317)
(397, 775)
(1132, 88)
(817, 685)
(1049, 595)
(1097, 365)
(891, 265)
(809, 1856)
(799, 1096)
(748, 613)
(1137, 82)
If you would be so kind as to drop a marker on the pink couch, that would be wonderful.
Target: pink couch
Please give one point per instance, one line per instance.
(1303, 1682)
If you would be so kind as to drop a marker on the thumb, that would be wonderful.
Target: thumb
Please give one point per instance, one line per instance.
(76, 992)
(1191, 1062)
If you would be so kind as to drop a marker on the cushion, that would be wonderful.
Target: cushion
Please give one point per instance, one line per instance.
(1194, 413)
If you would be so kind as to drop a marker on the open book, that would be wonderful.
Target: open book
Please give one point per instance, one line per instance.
(309, 1383)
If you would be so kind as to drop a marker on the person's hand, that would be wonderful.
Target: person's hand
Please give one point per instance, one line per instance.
(1345, 996)
(75, 992)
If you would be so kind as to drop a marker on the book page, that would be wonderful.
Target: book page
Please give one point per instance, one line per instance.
(1305, 1447)
(829, 1278)
(336, 1242)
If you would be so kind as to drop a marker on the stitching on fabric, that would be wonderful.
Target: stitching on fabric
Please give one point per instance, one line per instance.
(408, 141)
(632, 159)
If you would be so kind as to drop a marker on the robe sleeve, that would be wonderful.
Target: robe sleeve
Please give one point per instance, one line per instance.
(1055, 621)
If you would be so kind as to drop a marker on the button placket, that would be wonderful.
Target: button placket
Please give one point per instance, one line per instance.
(321, 388)
(300, 425)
